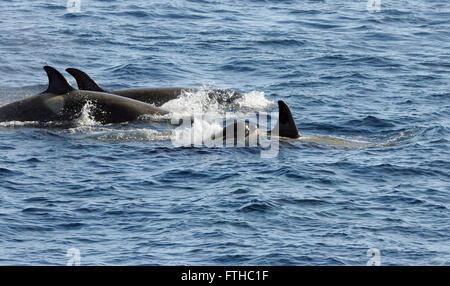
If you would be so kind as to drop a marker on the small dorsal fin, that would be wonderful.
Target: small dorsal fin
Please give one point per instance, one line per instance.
(57, 83)
(84, 81)
(286, 125)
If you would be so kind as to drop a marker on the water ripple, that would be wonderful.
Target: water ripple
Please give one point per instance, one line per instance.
(373, 86)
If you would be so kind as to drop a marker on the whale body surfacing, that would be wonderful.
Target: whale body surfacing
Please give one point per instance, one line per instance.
(62, 102)
(284, 128)
(152, 95)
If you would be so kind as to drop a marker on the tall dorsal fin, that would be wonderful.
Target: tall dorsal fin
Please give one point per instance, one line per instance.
(286, 125)
(84, 81)
(57, 83)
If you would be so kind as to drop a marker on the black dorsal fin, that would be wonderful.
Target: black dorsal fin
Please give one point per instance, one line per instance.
(57, 83)
(84, 81)
(286, 125)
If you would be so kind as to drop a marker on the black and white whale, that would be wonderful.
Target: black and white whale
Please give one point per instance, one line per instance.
(284, 128)
(62, 102)
(245, 133)
(152, 95)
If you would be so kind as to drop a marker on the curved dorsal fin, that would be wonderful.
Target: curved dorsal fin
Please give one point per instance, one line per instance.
(84, 81)
(286, 125)
(57, 83)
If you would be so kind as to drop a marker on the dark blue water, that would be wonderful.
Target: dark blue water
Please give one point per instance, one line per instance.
(123, 194)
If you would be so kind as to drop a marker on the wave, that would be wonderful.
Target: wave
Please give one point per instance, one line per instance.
(371, 121)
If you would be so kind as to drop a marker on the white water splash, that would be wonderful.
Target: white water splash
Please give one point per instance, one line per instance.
(205, 112)
(254, 100)
(86, 118)
(12, 124)
(192, 102)
(208, 114)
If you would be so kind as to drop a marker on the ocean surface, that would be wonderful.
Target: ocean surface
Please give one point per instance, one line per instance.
(374, 84)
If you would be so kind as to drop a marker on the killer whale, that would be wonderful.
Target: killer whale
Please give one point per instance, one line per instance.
(152, 95)
(62, 102)
(284, 128)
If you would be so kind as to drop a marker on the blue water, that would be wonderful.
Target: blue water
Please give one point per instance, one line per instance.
(124, 195)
